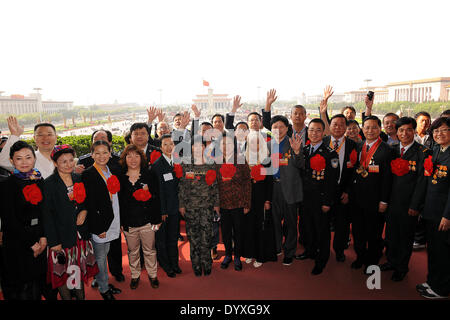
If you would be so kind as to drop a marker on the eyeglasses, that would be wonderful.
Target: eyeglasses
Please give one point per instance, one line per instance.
(443, 131)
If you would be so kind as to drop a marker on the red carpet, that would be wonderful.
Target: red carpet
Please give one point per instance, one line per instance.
(272, 281)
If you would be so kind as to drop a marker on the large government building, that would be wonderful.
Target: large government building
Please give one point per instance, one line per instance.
(19, 104)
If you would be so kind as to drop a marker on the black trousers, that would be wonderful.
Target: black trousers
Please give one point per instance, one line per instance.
(400, 229)
(115, 256)
(167, 243)
(231, 225)
(317, 228)
(341, 213)
(438, 250)
(285, 222)
(301, 225)
(367, 228)
(420, 233)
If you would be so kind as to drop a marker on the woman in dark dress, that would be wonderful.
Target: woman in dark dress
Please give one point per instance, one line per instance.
(258, 237)
(24, 242)
(71, 260)
(140, 213)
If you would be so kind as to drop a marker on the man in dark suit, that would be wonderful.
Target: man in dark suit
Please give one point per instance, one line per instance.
(340, 210)
(140, 136)
(370, 195)
(86, 161)
(407, 197)
(320, 182)
(167, 235)
(287, 189)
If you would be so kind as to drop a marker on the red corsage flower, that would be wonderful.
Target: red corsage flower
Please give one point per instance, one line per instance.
(428, 166)
(307, 142)
(400, 167)
(227, 170)
(353, 157)
(142, 195)
(210, 177)
(155, 155)
(113, 184)
(79, 192)
(317, 162)
(178, 170)
(268, 138)
(258, 173)
(32, 194)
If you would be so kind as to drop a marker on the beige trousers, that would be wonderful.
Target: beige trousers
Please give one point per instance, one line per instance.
(135, 237)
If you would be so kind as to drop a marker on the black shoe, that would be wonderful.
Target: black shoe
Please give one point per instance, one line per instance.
(177, 270)
(237, 264)
(206, 272)
(120, 277)
(305, 255)
(357, 264)
(134, 283)
(340, 257)
(214, 254)
(198, 273)
(171, 274)
(398, 276)
(225, 262)
(422, 287)
(287, 261)
(108, 295)
(114, 290)
(94, 283)
(154, 282)
(386, 267)
(317, 270)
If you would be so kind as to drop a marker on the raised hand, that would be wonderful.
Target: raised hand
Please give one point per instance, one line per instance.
(271, 98)
(296, 143)
(236, 104)
(369, 103)
(151, 112)
(14, 127)
(185, 119)
(160, 115)
(197, 112)
(327, 92)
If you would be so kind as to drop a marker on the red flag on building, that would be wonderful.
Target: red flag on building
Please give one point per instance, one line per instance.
(205, 83)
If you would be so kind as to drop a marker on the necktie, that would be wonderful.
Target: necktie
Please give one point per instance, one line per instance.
(336, 144)
(367, 148)
(402, 151)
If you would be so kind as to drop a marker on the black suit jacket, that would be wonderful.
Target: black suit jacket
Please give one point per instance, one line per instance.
(347, 169)
(376, 187)
(437, 201)
(168, 189)
(408, 191)
(98, 202)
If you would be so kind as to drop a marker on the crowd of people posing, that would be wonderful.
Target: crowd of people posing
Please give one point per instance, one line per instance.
(265, 184)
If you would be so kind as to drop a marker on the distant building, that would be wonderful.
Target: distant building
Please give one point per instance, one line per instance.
(381, 95)
(335, 98)
(424, 90)
(19, 104)
(212, 102)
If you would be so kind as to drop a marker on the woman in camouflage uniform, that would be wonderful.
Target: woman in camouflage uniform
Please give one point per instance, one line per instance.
(199, 198)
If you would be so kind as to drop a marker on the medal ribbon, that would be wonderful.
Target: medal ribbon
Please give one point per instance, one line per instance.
(340, 146)
(366, 156)
(103, 176)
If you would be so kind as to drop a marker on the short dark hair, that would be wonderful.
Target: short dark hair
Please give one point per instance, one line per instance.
(391, 114)
(299, 106)
(132, 148)
(241, 122)
(127, 137)
(218, 115)
(375, 118)
(177, 115)
(339, 115)
(405, 120)
(317, 120)
(139, 125)
(348, 107)
(437, 123)
(108, 134)
(422, 113)
(165, 136)
(19, 145)
(279, 118)
(254, 113)
(100, 143)
(44, 124)
(350, 122)
(445, 113)
(59, 153)
(206, 123)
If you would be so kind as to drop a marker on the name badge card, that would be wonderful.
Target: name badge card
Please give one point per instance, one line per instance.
(190, 175)
(168, 176)
(374, 169)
